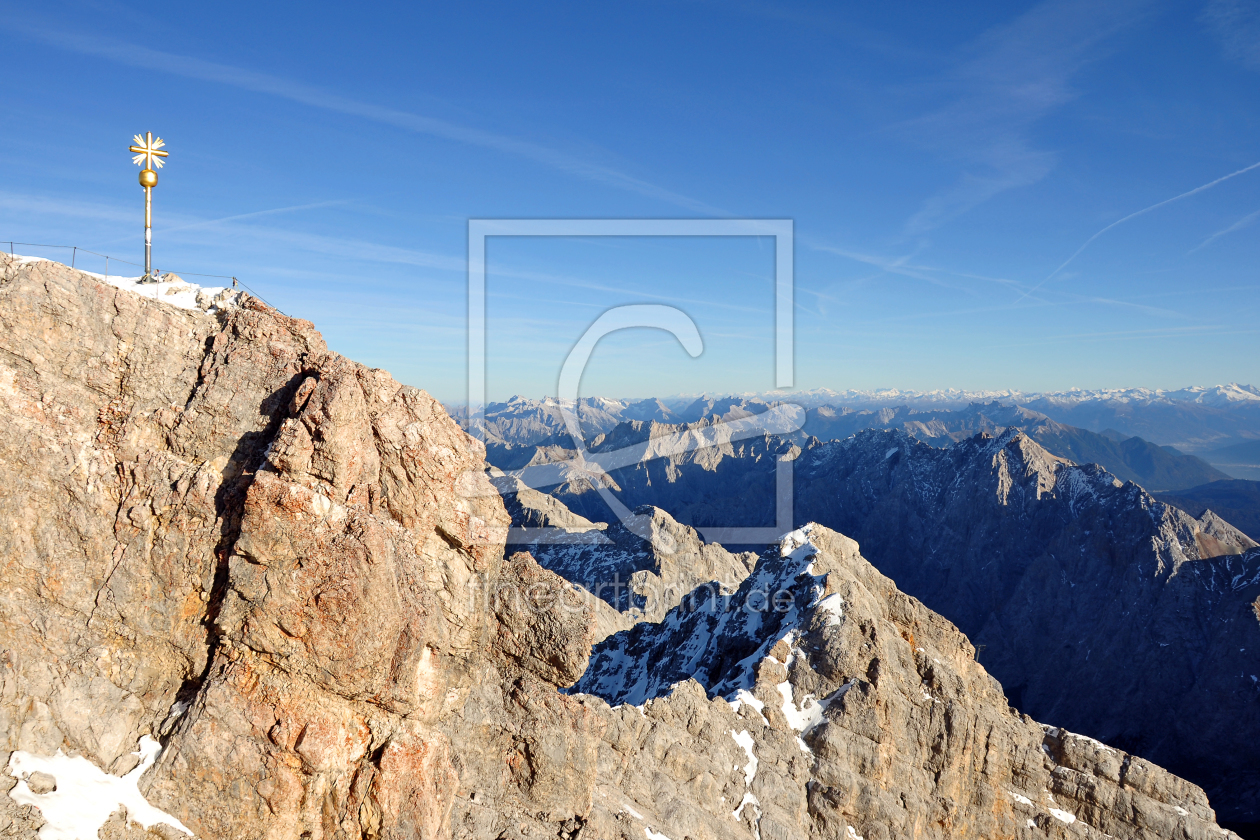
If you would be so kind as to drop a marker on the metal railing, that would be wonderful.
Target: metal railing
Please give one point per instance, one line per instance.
(74, 255)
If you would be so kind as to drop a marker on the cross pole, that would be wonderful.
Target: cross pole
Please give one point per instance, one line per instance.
(147, 152)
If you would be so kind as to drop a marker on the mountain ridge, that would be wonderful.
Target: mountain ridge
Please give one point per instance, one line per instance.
(510, 436)
(1009, 542)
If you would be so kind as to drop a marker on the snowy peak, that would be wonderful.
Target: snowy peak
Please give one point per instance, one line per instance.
(873, 704)
(651, 409)
(715, 638)
(170, 289)
(1218, 395)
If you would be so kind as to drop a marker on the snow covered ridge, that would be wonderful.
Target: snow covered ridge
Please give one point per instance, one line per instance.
(171, 289)
(859, 690)
(1220, 396)
(715, 638)
(1211, 395)
(82, 797)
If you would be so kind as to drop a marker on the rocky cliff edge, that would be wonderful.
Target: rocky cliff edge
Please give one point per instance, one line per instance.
(251, 589)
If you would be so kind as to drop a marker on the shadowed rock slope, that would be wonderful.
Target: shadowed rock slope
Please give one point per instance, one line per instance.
(1128, 458)
(290, 571)
(861, 713)
(1098, 607)
(640, 569)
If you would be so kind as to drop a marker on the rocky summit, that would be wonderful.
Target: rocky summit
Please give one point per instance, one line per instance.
(252, 589)
(861, 713)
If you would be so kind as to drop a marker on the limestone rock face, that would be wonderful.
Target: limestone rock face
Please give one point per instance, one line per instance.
(642, 568)
(1080, 589)
(848, 709)
(281, 563)
(290, 570)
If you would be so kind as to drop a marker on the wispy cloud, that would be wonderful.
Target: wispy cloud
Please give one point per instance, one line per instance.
(211, 223)
(1141, 212)
(1238, 225)
(1017, 74)
(1195, 332)
(275, 211)
(42, 205)
(357, 249)
(891, 265)
(336, 246)
(135, 55)
(1236, 23)
(1145, 309)
(905, 266)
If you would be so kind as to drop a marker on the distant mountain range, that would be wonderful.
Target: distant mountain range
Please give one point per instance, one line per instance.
(1128, 458)
(1219, 396)
(1194, 420)
(676, 408)
(523, 431)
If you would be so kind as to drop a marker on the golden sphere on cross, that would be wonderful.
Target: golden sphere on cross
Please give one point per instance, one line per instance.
(148, 178)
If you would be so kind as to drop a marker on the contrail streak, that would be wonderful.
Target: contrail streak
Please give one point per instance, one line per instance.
(257, 213)
(1206, 186)
(1238, 225)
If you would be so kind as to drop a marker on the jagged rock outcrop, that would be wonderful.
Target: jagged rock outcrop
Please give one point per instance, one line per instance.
(219, 533)
(1236, 501)
(1098, 607)
(289, 570)
(648, 565)
(642, 568)
(633, 571)
(532, 509)
(852, 711)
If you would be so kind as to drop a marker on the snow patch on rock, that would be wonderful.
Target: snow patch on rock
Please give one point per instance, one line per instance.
(745, 740)
(85, 796)
(170, 289)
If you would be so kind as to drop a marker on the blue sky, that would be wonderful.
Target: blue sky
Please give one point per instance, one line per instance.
(943, 167)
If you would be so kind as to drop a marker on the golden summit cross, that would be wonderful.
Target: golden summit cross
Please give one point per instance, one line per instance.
(148, 153)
